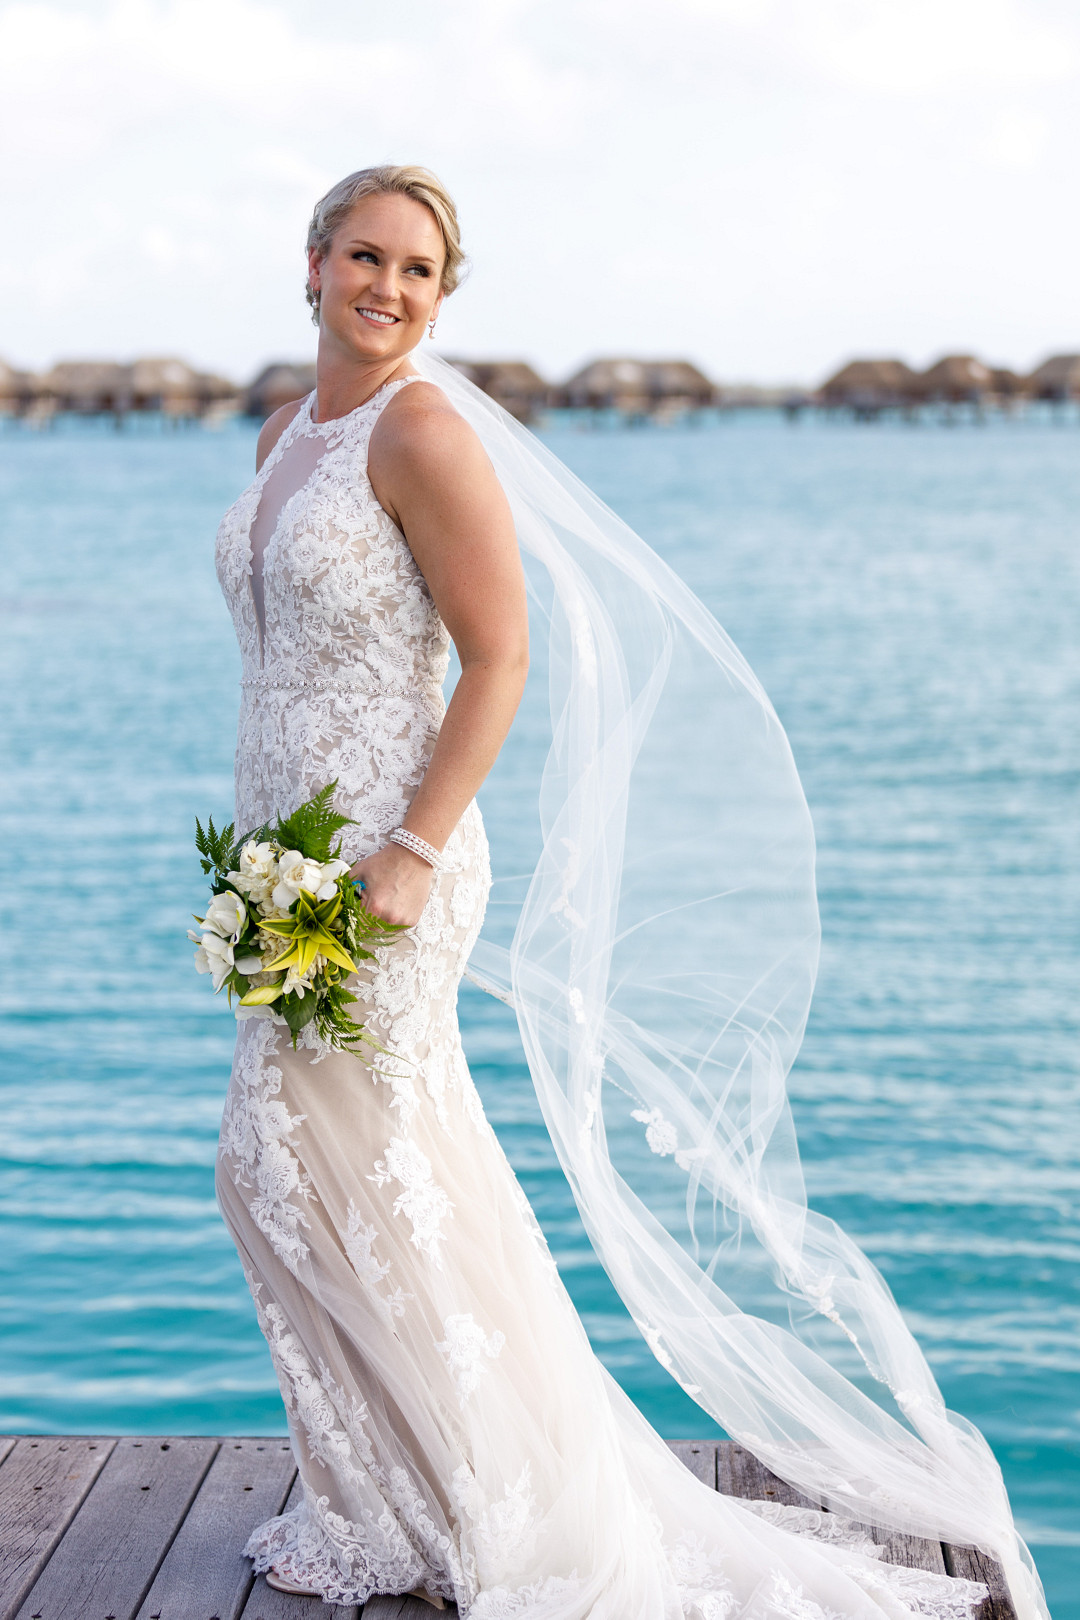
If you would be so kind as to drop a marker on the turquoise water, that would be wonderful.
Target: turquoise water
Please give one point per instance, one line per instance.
(910, 598)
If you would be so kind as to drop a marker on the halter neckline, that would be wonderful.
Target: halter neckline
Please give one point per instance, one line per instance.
(336, 421)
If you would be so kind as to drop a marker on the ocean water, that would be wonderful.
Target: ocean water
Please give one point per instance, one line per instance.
(910, 598)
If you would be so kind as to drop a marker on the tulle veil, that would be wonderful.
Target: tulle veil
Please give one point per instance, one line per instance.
(662, 978)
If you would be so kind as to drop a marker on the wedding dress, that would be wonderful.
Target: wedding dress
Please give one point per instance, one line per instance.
(451, 1424)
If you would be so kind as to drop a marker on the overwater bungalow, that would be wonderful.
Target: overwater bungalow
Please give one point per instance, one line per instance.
(1007, 386)
(18, 390)
(105, 388)
(87, 387)
(868, 387)
(278, 384)
(172, 387)
(957, 379)
(1057, 379)
(638, 388)
(512, 383)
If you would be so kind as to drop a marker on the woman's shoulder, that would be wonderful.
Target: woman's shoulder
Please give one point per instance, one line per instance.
(273, 428)
(420, 426)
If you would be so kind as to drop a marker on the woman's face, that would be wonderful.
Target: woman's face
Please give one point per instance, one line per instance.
(379, 281)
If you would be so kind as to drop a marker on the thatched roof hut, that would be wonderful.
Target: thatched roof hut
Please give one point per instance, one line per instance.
(677, 382)
(214, 389)
(869, 385)
(637, 386)
(1006, 384)
(167, 385)
(1056, 379)
(512, 383)
(278, 384)
(88, 387)
(958, 379)
(18, 390)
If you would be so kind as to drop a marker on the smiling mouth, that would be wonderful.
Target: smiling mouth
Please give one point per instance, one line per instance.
(379, 316)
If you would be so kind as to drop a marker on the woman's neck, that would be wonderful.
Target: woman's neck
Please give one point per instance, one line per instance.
(343, 383)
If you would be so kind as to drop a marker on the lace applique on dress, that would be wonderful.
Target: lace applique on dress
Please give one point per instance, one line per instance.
(699, 1571)
(358, 1239)
(347, 1560)
(502, 1603)
(501, 1531)
(465, 1347)
(422, 1201)
(945, 1597)
(259, 1134)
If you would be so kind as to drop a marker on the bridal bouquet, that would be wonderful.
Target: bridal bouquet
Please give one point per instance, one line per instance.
(285, 927)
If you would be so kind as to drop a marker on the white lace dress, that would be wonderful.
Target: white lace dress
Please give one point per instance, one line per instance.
(451, 1424)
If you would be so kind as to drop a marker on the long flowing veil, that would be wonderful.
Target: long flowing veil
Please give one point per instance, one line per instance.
(661, 969)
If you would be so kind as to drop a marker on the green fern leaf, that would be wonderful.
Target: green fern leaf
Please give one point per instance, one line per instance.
(312, 826)
(218, 849)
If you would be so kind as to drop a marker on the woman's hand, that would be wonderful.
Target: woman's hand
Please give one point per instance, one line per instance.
(396, 884)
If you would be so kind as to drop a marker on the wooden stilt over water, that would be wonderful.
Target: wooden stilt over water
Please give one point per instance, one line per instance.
(151, 1529)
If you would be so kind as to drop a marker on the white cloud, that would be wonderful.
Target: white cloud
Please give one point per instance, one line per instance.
(765, 184)
(1018, 138)
(955, 47)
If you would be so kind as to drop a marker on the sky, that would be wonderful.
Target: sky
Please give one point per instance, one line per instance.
(768, 187)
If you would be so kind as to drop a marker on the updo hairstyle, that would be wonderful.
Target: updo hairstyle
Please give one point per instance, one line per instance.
(388, 179)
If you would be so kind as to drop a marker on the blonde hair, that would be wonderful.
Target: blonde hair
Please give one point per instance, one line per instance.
(388, 179)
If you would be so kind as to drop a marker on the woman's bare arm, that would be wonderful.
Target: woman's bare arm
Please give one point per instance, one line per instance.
(431, 473)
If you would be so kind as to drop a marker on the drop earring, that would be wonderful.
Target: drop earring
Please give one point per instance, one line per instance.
(431, 328)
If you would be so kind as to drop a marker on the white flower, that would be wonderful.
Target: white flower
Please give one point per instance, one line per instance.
(226, 915)
(298, 984)
(214, 956)
(331, 871)
(244, 1013)
(296, 872)
(258, 871)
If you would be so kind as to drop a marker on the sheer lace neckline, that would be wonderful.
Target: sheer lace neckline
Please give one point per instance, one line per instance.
(305, 416)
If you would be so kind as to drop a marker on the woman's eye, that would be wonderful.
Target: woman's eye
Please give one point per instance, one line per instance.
(363, 254)
(420, 269)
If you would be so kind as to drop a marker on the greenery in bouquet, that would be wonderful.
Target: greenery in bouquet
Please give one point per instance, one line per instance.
(285, 927)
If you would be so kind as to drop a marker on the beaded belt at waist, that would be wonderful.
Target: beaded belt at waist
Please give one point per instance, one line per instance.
(359, 680)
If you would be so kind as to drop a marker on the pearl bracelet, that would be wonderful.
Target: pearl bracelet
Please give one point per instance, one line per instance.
(419, 846)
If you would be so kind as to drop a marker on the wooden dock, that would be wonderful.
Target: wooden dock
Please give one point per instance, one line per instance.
(151, 1529)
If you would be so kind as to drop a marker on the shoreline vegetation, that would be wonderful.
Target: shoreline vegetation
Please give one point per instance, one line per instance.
(622, 391)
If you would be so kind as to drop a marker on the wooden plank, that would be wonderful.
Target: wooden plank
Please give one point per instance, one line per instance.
(266, 1604)
(976, 1566)
(913, 1552)
(739, 1473)
(699, 1456)
(405, 1608)
(111, 1552)
(204, 1575)
(42, 1482)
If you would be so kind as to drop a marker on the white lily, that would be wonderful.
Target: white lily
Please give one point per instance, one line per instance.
(296, 872)
(214, 956)
(226, 915)
(297, 983)
(331, 871)
(258, 871)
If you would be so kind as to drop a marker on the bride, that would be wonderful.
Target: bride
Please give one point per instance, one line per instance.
(455, 1435)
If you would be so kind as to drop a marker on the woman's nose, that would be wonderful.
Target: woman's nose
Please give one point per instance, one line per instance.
(385, 284)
